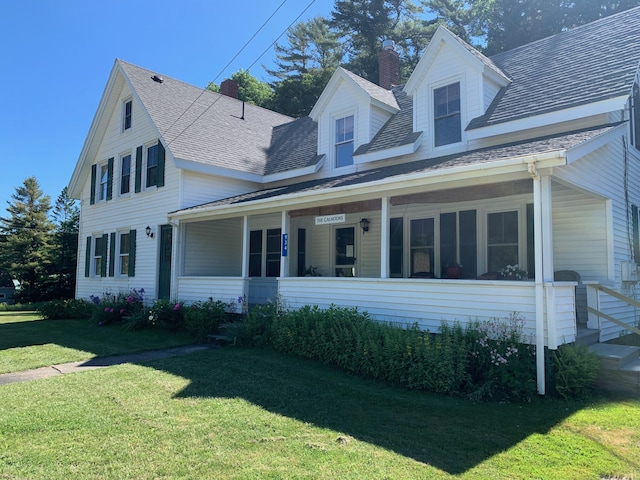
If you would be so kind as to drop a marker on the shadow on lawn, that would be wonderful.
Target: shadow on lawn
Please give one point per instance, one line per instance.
(450, 434)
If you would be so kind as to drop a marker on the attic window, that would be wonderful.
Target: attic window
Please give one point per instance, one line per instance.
(344, 141)
(126, 115)
(446, 115)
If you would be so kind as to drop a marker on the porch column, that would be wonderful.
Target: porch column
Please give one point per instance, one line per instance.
(245, 246)
(284, 260)
(384, 238)
(539, 275)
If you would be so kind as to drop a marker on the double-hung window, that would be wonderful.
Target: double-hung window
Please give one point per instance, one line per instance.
(502, 240)
(446, 115)
(104, 182)
(270, 252)
(123, 256)
(100, 256)
(127, 109)
(152, 165)
(344, 141)
(125, 174)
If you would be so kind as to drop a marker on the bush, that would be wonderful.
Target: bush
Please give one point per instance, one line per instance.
(203, 318)
(167, 314)
(66, 309)
(111, 308)
(575, 370)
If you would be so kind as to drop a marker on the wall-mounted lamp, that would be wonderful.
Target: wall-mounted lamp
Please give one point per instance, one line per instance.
(148, 231)
(364, 224)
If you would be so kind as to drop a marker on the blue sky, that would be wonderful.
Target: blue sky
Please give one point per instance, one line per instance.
(57, 55)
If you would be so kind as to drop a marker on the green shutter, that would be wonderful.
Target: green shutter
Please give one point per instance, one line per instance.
(138, 169)
(87, 258)
(132, 253)
(92, 199)
(112, 255)
(105, 244)
(110, 178)
(161, 156)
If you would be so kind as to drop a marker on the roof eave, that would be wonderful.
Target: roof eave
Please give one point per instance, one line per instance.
(388, 153)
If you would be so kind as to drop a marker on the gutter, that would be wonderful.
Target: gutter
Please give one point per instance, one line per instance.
(377, 188)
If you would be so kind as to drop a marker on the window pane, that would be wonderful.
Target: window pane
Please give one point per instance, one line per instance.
(127, 115)
(273, 252)
(125, 174)
(468, 243)
(344, 154)
(422, 245)
(448, 240)
(422, 232)
(152, 165)
(446, 115)
(104, 178)
(501, 256)
(255, 253)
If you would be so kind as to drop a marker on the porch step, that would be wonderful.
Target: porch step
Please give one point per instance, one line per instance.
(619, 367)
(587, 336)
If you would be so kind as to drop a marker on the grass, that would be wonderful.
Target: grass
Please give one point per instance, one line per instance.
(246, 414)
(28, 342)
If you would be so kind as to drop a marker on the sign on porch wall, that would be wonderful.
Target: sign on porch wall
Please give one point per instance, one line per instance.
(331, 219)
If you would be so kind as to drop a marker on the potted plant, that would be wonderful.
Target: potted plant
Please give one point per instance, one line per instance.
(513, 272)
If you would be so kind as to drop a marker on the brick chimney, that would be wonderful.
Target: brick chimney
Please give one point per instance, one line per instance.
(229, 88)
(388, 65)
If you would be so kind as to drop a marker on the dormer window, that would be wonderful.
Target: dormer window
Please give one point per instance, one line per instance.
(446, 115)
(344, 141)
(126, 115)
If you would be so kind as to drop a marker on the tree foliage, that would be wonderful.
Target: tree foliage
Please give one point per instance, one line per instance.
(250, 89)
(66, 215)
(27, 248)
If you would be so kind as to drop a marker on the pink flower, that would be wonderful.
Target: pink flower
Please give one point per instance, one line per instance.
(176, 307)
(129, 299)
(106, 309)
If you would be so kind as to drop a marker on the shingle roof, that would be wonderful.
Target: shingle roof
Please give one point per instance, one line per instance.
(593, 62)
(209, 128)
(374, 91)
(485, 155)
(397, 131)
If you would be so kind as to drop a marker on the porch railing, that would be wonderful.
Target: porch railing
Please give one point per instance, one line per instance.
(595, 313)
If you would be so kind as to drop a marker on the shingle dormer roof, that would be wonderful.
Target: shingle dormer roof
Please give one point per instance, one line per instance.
(397, 131)
(374, 91)
(590, 63)
(219, 131)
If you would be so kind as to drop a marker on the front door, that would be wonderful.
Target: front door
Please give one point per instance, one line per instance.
(164, 271)
(345, 262)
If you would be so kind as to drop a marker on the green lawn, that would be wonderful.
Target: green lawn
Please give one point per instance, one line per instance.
(234, 413)
(27, 342)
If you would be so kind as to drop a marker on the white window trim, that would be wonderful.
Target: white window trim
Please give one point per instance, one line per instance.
(118, 173)
(94, 255)
(463, 110)
(99, 194)
(517, 206)
(118, 254)
(332, 139)
(145, 160)
(124, 112)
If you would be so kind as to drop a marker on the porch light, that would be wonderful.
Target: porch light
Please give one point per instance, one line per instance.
(364, 224)
(148, 231)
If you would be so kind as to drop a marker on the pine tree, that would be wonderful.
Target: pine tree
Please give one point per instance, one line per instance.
(66, 215)
(27, 246)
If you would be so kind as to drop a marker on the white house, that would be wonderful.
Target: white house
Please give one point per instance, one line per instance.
(529, 157)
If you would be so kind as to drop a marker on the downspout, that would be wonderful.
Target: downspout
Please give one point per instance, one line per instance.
(539, 276)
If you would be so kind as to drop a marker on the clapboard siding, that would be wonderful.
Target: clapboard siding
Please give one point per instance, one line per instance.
(198, 188)
(129, 211)
(429, 303)
(225, 289)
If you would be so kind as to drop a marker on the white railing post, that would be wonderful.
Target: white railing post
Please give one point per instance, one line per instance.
(593, 302)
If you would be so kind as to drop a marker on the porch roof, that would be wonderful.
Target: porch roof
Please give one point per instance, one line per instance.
(486, 158)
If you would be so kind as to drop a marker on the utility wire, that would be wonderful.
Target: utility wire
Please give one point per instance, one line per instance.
(223, 69)
(252, 64)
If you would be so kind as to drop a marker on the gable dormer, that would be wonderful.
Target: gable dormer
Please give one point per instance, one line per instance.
(349, 112)
(452, 84)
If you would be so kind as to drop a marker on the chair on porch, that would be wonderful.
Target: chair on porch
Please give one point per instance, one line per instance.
(580, 295)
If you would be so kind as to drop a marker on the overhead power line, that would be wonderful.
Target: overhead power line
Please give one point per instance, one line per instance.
(225, 67)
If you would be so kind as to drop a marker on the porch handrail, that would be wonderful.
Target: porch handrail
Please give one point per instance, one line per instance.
(619, 296)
